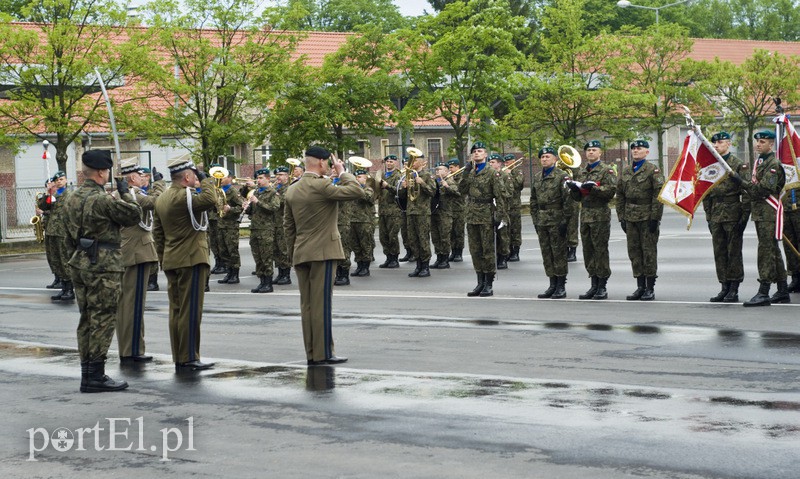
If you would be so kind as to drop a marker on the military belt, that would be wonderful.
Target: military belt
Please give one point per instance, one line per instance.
(85, 244)
(639, 201)
(551, 206)
(484, 201)
(730, 199)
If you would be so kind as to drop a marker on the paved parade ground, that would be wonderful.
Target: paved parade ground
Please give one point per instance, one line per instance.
(438, 385)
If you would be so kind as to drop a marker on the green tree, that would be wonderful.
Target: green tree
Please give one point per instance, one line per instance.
(51, 65)
(341, 15)
(462, 64)
(13, 8)
(218, 72)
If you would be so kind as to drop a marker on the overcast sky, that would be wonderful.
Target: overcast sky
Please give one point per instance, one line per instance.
(413, 7)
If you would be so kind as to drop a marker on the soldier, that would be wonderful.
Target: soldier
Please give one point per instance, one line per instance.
(53, 203)
(551, 209)
(502, 240)
(213, 240)
(138, 256)
(343, 221)
(281, 254)
(49, 247)
(573, 228)
(297, 173)
(458, 213)
(418, 215)
(92, 220)
(764, 188)
(179, 228)
(362, 225)
(389, 213)
(152, 280)
(228, 228)
(791, 229)
(262, 204)
(442, 216)
(517, 183)
(485, 191)
(314, 246)
(727, 209)
(639, 213)
(597, 184)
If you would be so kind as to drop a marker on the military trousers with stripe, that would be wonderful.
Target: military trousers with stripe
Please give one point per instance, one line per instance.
(130, 314)
(315, 281)
(186, 291)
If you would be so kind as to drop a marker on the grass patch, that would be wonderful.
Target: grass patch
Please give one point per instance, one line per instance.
(21, 247)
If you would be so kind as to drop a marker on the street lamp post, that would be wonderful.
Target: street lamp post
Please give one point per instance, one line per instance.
(626, 4)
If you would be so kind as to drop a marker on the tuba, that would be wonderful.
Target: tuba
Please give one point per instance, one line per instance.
(568, 158)
(218, 173)
(412, 188)
(359, 162)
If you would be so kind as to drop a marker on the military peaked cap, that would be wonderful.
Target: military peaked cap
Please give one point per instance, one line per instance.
(129, 165)
(180, 163)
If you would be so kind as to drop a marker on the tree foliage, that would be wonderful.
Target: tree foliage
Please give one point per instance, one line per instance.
(341, 15)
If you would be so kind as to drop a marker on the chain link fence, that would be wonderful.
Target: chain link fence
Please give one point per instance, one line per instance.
(17, 207)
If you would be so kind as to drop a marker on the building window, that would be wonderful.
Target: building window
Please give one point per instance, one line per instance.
(385, 148)
(363, 148)
(434, 150)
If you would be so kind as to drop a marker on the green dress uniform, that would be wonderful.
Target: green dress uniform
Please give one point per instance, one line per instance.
(182, 245)
(517, 183)
(766, 183)
(595, 223)
(315, 247)
(791, 229)
(138, 256)
(228, 238)
(93, 220)
(485, 191)
(727, 209)
(551, 209)
(639, 213)
(362, 227)
(281, 253)
(389, 219)
(263, 225)
(55, 236)
(442, 221)
(418, 216)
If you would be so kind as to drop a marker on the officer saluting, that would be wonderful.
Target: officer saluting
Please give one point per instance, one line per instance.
(93, 220)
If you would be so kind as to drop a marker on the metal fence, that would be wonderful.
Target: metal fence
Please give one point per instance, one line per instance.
(17, 207)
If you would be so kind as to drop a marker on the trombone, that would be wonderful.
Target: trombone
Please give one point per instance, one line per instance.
(514, 164)
(455, 173)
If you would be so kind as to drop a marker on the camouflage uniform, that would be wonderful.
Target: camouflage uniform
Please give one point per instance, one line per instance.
(573, 227)
(92, 214)
(442, 221)
(362, 226)
(503, 238)
(281, 254)
(418, 215)
(458, 212)
(517, 183)
(639, 212)
(791, 229)
(213, 242)
(56, 234)
(343, 224)
(228, 238)
(263, 224)
(389, 218)
(768, 180)
(551, 209)
(727, 209)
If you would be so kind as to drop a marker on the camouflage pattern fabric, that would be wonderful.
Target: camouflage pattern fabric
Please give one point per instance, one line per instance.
(517, 182)
(343, 222)
(595, 213)
(362, 225)
(551, 209)
(389, 215)
(228, 225)
(485, 192)
(637, 205)
(769, 181)
(262, 229)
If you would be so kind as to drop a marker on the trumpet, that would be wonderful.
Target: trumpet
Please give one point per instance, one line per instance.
(514, 164)
(242, 181)
(218, 173)
(412, 187)
(455, 173)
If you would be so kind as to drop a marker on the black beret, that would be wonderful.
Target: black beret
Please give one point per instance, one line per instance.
(592, 144)
(453, 162)
(723, 135)
(97, 159)
(476, 145)
(547, 149)
(283, 169)
(765, 134)
(262, 171)
(390, 157)
(509, 157)
(640, 143)
(318, 152)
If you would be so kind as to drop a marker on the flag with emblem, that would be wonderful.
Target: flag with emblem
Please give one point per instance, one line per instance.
(787, 150)
(697, 170)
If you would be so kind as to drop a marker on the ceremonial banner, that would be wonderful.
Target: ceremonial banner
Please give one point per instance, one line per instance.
(694, 174)
(787, 150)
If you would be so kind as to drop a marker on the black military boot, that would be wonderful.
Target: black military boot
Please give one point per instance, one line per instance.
(550, 290)
(637, 294)
(457, 256)
(425, 269)
(452, 255)
(342, 277)
(393, 263)
(487, 285)
(601, 293)
(438, 261)
(385, 264)
(794, 286)
(407, 257)
(416, 271)
(226, 278)
(726, 286)
(84, 374)
(365, 269)
(501, 261)
(359, 269)
(477, 290)
(152, 282)
(649, 289)
(445, 264)
(589, 294)
(561, 290)
(733, 293)
(265, 286)
(572, 254)
(207, 288)
(762, 297)
(60, 294)
(219, 267)
(56, 284)
(69, 292)
(782, 295)
(514, 256)
(284, 276)
(234, 276)
(97, 381)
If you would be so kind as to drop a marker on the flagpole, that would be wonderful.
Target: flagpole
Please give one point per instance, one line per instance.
(696, 129)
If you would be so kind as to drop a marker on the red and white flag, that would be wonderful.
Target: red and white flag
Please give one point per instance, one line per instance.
(788, 150)
(694, 174)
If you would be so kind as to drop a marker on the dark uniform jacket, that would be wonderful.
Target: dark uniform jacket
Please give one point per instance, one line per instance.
(769, 181)
(550, 201)
(637, 194)
(594, 202)
(262, 214)
(727, 202)
(485, 192)
(138, 245)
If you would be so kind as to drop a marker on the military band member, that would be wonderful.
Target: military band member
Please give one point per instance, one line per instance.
(418, 215)
(517, 182)
(281, 254)
(573, 229)
(228, 228)
(213, 239)
(639, 213)
(767, 180)
(49, 247)
(791, 229)
(458, 212)
(598, 185)
(502, 240)
(262, 205)
(297, 173)
(92, 219)
(485, 192)
(362, 225)
(389, 213)
(404, 236)
(56, 233)
(727, 209)
(179, 228)
(343, 221)
(551, 209)
(442, 216)
(312, 235)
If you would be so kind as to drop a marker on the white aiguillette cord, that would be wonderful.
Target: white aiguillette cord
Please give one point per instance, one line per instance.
(203, 224)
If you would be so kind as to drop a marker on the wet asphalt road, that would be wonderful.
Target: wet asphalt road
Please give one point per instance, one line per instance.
(438, 384)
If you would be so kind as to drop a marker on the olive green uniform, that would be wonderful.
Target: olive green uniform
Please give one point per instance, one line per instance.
(281, 254)
(791, 229)
(595, 213)
(517, 183)
(485, 194)
(56, 231)
(551, 209)
(503, 236)
(640, 211)
(362, 225)
(418, 216)
(768, 180)
(343, 223)
(442, 217)
(228, 227)
(91, 215)
(458, 212)
(263, 224)
(389, 214)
